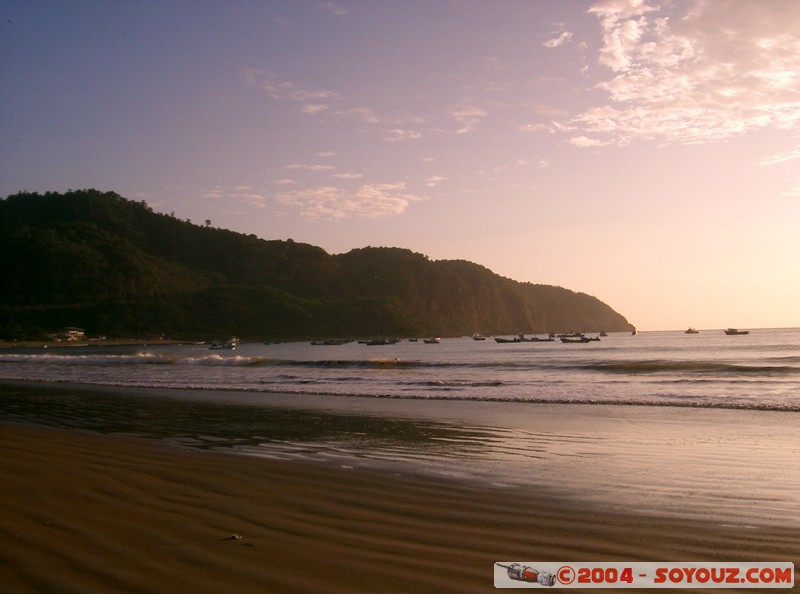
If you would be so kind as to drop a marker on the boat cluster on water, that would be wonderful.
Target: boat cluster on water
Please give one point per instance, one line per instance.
(568, 338)
(574, 337)
(229, 344)
(728, 331)
(371, 341)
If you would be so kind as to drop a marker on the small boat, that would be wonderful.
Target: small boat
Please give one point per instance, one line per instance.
(575, 340)
(537, 339)
(478, 337)
(736, 332)
(431, 340)
(517, 338)
(502, 340)
(217, 345)
(581, 338)
(691, 331)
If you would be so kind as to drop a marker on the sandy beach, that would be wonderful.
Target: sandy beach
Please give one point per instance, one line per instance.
(90, 513)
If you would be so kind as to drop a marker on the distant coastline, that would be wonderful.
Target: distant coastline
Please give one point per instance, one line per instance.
(95, 263)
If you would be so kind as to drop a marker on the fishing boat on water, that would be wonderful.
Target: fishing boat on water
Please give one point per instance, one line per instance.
(517, 338)
(736, 332)
(503, 340)
(578, 339)
(229, 344)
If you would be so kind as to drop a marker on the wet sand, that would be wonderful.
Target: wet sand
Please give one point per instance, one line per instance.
(90, 513)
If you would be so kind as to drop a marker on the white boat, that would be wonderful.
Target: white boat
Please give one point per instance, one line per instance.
(537, 339)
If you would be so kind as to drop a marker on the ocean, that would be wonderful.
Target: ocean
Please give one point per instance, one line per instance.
(698, 425)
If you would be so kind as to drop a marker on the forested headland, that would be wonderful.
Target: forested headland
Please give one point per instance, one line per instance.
(113, 267)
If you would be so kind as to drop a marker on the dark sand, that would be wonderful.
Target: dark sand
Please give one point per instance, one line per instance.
(89, 513)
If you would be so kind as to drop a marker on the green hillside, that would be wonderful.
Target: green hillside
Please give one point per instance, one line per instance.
(116, 268)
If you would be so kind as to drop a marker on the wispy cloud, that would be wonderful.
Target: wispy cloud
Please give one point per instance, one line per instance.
(783, 157)
(624, 23)
(793, 192)
(538, 163)
(467, 116)
(236, 196)
(311, 167)
(721, 69)
(558, 40)
(334, 8)
(549, 110)
(278, 90)
(315, 108)
(434, 181)
(360, 113)
(534, 128)
(317, 101)
(398, 135)
(346, 175)
(776, 158)
(584, 141)
(215, 194)
(370, 201)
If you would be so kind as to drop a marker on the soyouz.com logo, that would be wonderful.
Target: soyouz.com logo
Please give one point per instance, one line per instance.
(549, 574)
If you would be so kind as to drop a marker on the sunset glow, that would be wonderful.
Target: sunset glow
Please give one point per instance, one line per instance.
(646, 152)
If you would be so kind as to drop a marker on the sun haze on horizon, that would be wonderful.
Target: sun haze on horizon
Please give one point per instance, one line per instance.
(646, 152)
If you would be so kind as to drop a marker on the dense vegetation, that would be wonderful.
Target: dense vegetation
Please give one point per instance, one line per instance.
(116, 268)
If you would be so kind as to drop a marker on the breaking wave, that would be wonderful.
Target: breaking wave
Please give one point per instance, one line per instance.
(779, 366)
(715, 367)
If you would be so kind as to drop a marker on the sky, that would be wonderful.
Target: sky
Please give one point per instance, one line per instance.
(646, 152)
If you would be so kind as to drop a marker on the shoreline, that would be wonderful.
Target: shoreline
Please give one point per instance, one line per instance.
(308, 397)
(735, 467)
(57, 344)
(88, 512)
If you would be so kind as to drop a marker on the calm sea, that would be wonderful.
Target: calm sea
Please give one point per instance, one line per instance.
(700, 425)
(759, 371)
